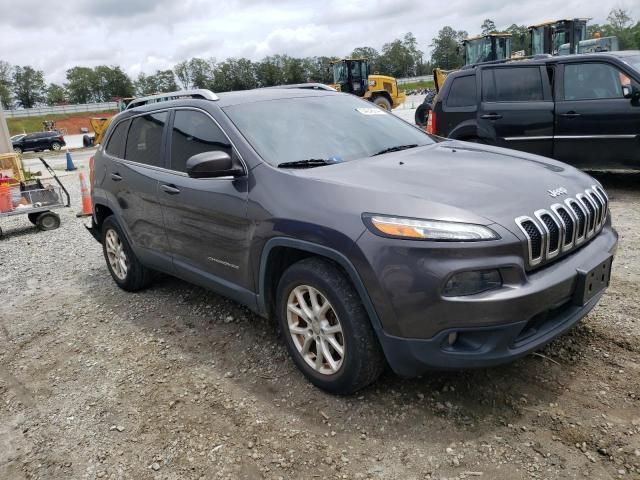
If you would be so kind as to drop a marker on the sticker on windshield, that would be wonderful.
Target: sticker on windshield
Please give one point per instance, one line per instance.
(371, 111)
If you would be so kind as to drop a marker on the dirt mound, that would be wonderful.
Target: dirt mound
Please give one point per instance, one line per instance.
(72, 125)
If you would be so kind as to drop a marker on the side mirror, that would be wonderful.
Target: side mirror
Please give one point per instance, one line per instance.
(631, 92)
(213, 165)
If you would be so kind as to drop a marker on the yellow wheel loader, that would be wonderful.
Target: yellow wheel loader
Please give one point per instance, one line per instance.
(352, 75)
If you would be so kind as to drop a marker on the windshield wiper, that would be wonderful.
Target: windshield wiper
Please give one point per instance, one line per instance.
(308, 163)
(397, 148)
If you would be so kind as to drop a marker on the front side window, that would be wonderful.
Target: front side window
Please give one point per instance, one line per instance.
(592, 81)
(332, 127)
(144, 142)
(519, 84)
(463, 92)
(193, 133)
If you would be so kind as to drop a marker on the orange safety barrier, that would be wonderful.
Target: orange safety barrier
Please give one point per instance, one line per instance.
(87, 209)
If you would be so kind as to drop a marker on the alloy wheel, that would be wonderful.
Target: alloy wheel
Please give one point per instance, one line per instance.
(315, 329)
(116, 255)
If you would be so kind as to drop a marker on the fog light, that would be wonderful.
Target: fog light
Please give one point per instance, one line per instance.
(471, 283)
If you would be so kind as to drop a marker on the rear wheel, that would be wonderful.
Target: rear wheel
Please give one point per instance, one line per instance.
(382, 102)
(422, 114)
(17, 150)
(55, 146)
(47, 221)
(326, 328)
(125, 268)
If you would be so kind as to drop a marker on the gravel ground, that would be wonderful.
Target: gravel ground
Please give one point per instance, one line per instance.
(176, 382)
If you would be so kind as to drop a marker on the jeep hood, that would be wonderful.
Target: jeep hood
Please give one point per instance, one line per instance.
(493, 183)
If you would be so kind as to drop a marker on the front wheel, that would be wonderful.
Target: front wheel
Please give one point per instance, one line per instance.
(125, 268)
(55, 146)
(382, 102)
(326, 328)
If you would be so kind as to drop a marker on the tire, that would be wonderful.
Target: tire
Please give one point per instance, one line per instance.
(47, 221)
(87, 141)
(124, 267)
(382, 102)
(345, 320)
(17, 150)
(422, 114)
(56, 146)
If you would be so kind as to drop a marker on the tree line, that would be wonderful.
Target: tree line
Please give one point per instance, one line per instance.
(26, 87)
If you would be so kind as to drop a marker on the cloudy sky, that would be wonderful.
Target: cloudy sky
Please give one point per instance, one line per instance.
(146, 35)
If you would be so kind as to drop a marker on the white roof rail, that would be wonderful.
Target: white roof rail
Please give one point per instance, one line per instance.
(308, 85)
(165, 97)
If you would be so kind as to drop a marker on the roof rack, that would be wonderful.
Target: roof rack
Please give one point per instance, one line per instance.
(201, 93)
(540, 56)
(308, 86)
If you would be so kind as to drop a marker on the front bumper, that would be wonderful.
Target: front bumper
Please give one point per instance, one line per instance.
(493, 327)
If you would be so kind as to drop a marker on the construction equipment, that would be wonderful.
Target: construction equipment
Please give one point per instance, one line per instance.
(352, 75)
(486, 48)
(100, 124)
(566, 37)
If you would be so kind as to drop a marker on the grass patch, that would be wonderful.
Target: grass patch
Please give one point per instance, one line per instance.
(34, 124)
(416, 85)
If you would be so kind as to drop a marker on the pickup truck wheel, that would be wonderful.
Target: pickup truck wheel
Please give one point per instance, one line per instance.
(125, 268)
(326, 328)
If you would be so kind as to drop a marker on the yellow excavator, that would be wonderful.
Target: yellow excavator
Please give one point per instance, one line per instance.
(352, 75)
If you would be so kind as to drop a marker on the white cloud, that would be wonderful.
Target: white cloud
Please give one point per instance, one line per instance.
(145, 35)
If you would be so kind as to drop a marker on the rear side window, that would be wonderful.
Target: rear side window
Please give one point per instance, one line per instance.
(118, 139)
(144, 142)
(462, 92)
(193, 133)
(521, 84)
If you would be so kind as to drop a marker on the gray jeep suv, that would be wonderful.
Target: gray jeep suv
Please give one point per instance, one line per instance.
(367, 239)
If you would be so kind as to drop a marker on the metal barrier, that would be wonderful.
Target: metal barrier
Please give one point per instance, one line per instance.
(84, 107)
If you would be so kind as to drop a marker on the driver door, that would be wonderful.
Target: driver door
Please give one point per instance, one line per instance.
(596, 127)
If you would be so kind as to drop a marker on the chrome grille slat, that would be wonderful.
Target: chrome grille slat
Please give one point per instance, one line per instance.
(564, 226)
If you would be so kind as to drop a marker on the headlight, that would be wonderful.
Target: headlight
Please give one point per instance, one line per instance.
(471, 283)
(428, 229)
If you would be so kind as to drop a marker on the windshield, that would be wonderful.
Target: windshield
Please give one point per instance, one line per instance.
(337, 128)
(339, 72)
(478, 50)
(633, 60)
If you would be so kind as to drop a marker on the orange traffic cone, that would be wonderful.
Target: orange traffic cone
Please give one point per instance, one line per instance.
(86, 198)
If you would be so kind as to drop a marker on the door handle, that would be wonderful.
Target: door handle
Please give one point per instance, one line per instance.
(570, 114)
(116, 177)
(491, 116)
(170, 189)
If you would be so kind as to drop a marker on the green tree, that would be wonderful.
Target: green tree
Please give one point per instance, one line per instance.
(195, 73)
(28, 86)
(81, 84)
(370, 54)
(163, 81)
(111, 83)
(5, 84)
(56, 94)
(620, 25)
(488, 26)
(446, 52)
(269, 71)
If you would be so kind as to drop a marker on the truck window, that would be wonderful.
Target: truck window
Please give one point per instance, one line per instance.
(462, 92)
(519, 84)
(591, 81)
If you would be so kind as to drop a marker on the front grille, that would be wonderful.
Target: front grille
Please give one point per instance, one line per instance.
(568, 223)
(553, 231)
(564, 226)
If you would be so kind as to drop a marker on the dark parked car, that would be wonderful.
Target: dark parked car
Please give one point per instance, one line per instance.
(366, 238)
(38, 141)
(580, 109)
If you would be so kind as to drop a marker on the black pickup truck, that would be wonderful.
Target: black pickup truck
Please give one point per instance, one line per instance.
(581, 109)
